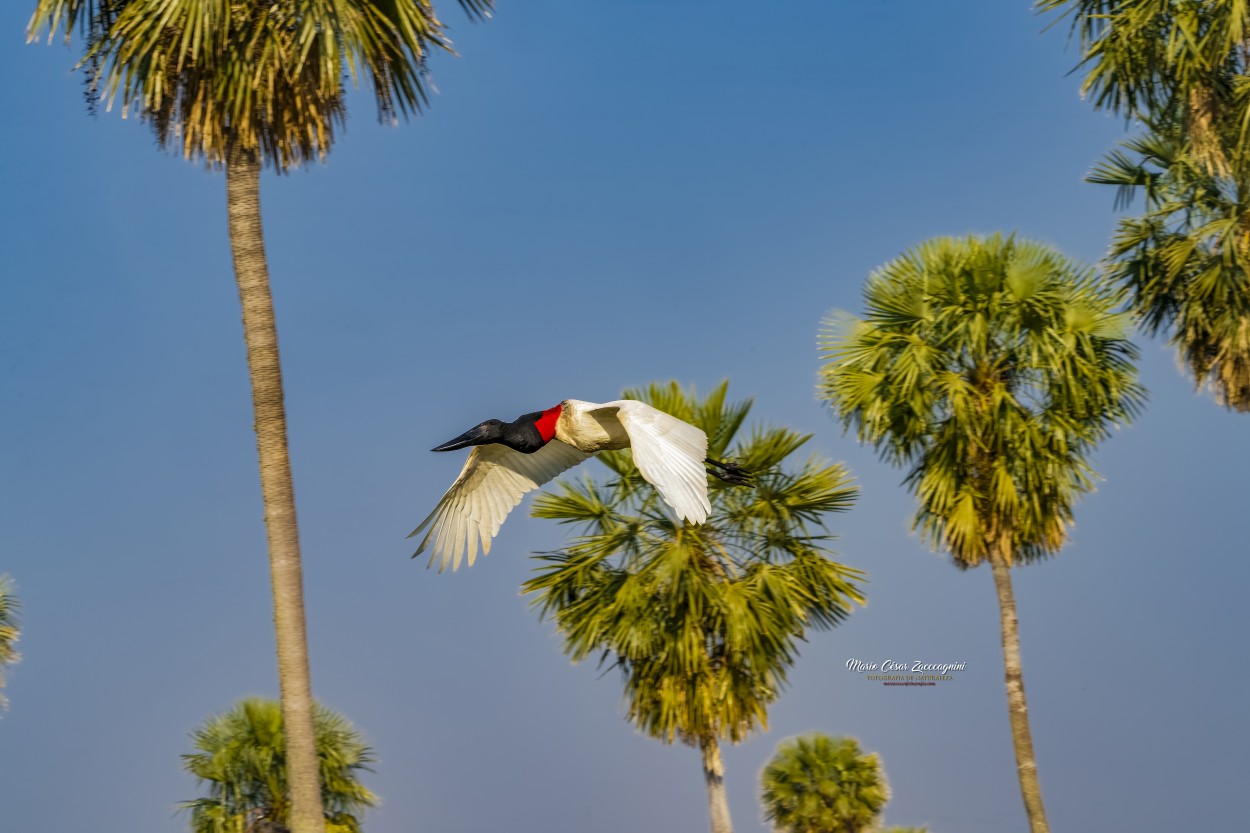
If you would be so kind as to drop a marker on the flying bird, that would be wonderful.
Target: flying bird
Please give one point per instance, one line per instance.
(510, 459)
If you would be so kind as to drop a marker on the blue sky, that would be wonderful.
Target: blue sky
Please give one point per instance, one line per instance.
(602, 195)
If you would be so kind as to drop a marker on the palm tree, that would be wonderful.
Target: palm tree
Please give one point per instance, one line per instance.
(703, 621)
(238, 84)
(242, 757)
(10, 629)
(989, 368)
(819, 784)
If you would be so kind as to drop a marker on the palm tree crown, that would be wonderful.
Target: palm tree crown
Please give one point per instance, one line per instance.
(1186, 260)
(1176, 59)
(209, 75)
(818, 784)
(989, 368)
(241, 756)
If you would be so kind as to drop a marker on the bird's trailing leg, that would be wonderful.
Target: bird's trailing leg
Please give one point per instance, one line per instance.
(729, 472)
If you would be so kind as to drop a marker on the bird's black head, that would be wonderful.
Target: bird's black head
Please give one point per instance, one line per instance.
(521, 435)
(490, 431)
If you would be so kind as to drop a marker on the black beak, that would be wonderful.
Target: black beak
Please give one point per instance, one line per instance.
(477, 435)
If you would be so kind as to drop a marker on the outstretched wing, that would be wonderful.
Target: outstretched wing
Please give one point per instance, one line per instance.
(493, 481)
(669, 453)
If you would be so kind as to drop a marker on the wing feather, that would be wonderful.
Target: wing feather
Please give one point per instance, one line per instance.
(669, 453)
(491, 484)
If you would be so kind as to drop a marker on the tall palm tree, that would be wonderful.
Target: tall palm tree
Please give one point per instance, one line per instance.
(238, 84)
(241, 756)
(703, 621)
(10, 629)
(989, 368)
(818, 784)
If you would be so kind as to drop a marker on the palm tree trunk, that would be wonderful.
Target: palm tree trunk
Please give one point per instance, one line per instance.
(1017, 706)
(247, 245)
(714, 777)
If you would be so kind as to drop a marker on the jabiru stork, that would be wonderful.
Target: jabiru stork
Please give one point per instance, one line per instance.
(512, 458)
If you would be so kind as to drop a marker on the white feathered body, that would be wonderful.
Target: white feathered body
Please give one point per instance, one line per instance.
(590, 427)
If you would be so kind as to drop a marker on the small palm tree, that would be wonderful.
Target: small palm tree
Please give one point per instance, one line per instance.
(818, 784)
(10, 629)
(989, 368)
(703, 621)
(242, 757)
(238, 84)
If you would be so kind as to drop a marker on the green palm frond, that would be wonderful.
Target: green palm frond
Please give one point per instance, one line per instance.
(702, 621)
(1126, 174)
(988, 368)
(241, 757)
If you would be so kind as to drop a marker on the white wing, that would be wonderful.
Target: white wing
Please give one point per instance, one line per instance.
(492, 483)
(669, 453)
